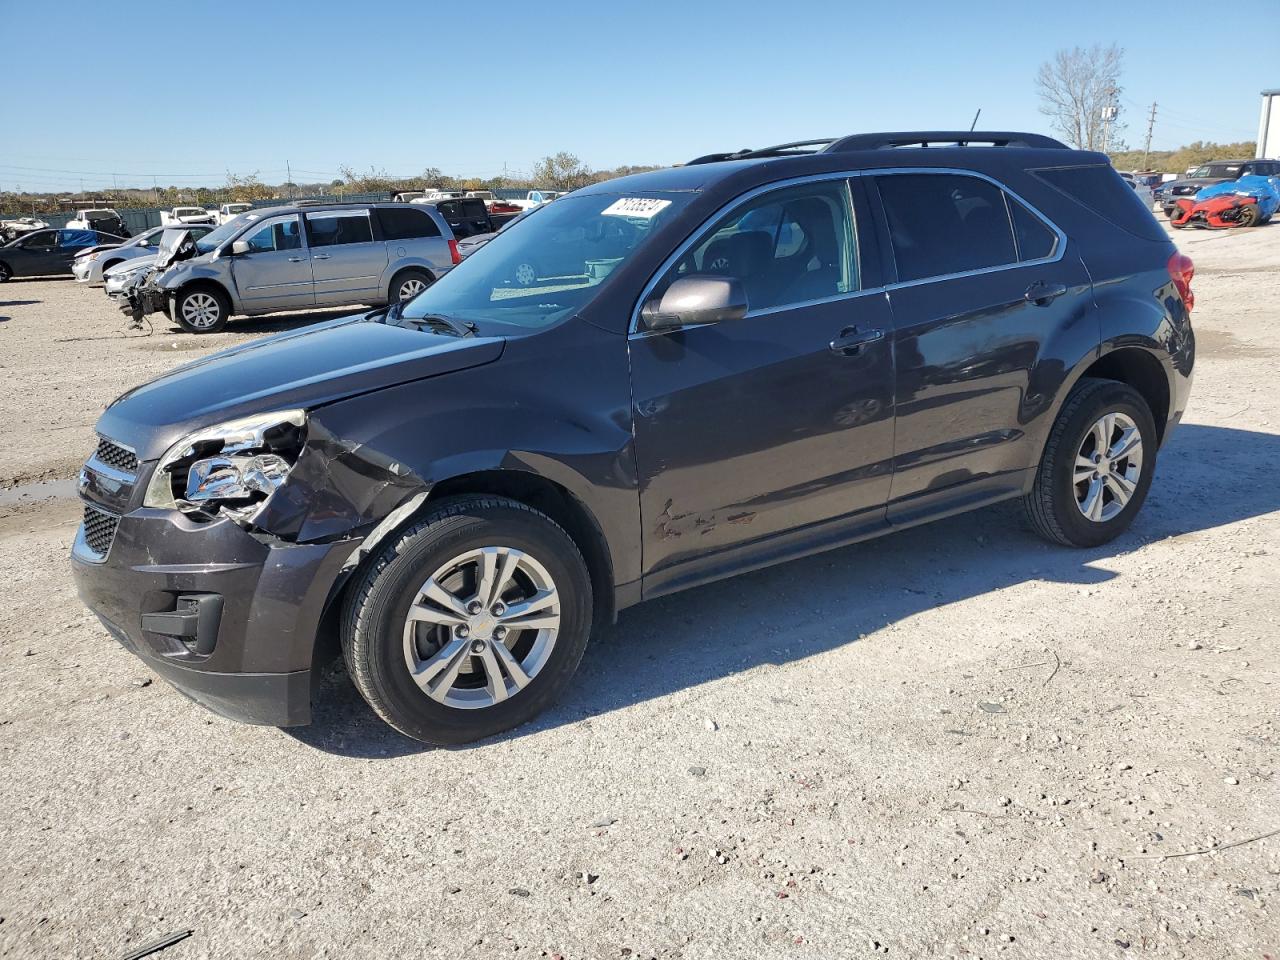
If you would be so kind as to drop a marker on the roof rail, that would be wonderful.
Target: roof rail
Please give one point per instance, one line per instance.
(925, 138)
(793, 149)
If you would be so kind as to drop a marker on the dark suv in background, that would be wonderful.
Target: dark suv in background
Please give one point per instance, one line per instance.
(746, 359)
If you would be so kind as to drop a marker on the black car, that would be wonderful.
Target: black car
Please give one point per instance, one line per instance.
(468, 216)
(757, 355)
(1206, 175)
(44, 252)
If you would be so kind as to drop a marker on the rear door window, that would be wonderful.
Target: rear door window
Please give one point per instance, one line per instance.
(942, 224)
(1036, 241)
(399, 223)
(77, 238)
(334, 228)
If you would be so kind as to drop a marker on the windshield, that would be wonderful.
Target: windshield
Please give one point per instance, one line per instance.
(548, 266)
(212, 240)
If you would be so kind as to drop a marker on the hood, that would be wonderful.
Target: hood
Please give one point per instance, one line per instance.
(128, 266)
(100, 248)
(305, 368)
(1196, 182)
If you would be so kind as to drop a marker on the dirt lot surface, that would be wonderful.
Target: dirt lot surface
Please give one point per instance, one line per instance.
(953, 742)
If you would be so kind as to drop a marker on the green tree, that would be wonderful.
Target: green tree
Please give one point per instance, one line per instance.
(561, 171)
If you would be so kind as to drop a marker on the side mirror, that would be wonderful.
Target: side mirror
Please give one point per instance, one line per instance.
(696, 300)
(239, 248)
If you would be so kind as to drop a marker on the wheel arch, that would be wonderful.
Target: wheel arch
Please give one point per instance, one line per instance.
(531, 489)
(1141, 370)
(209, 283)
(400, 271)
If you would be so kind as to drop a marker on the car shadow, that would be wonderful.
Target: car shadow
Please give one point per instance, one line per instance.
(1207, 477)
(19, 303)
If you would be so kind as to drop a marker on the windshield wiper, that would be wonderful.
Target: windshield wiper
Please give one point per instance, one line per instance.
(459, 328)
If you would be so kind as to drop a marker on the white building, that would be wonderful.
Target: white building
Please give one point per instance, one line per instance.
(1269, 125)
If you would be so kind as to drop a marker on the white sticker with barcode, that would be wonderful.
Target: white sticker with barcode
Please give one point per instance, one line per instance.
(643, 208)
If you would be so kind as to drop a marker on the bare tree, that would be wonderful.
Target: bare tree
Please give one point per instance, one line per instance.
(1079, 92)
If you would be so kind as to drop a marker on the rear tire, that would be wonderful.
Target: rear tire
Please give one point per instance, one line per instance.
(397, 623)
(202, 309)
(407, 284)
(1061, 506)
(5, 272)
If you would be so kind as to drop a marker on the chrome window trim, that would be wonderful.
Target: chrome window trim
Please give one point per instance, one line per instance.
(1059, 251)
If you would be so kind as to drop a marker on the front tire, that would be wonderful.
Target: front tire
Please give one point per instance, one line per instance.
(1249, 216)
(1097, 466)
(5, 272)
(469, 622)
(202, 310)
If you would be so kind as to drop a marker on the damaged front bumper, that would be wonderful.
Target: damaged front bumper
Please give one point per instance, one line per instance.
(227, 617)
(232, 611)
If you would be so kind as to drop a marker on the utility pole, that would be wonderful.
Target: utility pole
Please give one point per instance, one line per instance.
(1151, 124)
(289, 174)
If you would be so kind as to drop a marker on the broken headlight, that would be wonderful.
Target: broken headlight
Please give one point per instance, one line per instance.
(230, 469)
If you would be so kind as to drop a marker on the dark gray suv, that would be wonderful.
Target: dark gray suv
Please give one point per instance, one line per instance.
(312, 255)
(724, 365)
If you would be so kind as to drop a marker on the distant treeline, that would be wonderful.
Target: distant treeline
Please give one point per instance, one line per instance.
(1178, 161)
(560, 171)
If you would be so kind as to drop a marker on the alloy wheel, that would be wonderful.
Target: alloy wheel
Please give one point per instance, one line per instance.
(1108, 466)
(201, 310)
(411, 288)
(481, 627)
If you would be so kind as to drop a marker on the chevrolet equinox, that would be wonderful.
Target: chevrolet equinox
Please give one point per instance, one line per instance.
(653, 383)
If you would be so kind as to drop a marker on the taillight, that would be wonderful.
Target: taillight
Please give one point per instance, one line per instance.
(456, 257)
(1181, 270)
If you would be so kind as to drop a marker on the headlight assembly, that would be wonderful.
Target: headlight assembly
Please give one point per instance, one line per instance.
(232, 468)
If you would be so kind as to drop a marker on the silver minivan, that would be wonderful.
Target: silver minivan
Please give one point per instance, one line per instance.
(308, 255)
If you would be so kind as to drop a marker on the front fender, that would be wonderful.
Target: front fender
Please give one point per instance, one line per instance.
(557, 405)
(182, 274)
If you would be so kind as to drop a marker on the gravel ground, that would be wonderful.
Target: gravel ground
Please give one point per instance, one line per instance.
(952, 742)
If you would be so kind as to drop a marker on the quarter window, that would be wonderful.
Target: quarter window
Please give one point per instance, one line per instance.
(276, 235)
(400, 224)
(332, 229)
(941, 224)
(786, 247)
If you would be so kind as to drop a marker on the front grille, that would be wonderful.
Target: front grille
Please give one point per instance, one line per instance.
(114, 455)
(99, 529)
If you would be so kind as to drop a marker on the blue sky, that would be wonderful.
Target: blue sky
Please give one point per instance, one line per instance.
(203, 88)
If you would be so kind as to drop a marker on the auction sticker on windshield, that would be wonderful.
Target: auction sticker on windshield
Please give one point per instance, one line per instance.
(644, 208)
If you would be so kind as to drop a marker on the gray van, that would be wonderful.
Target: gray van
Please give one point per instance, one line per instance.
(307, 255)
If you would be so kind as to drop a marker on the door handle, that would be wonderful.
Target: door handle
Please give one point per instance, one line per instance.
(295, 259)
(851, 341)
(1042, 294)
(319, 256)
